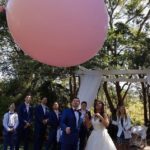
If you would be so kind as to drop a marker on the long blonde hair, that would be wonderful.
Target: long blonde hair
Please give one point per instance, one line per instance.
(119, 112)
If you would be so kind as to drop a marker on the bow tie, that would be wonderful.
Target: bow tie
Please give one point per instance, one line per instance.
(11, 113)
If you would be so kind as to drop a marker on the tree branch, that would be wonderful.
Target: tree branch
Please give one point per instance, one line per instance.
(124, 85)
(118, 90)
(125, 94)
(108, 97)
(142, 24)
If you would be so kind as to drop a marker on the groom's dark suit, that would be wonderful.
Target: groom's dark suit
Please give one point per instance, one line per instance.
(70, 141)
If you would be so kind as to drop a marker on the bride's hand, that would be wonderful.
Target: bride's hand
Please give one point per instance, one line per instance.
(98, 116)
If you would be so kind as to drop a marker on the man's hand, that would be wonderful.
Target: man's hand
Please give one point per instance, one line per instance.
(11, 129)
(45, 121)
(27, 125)
(68, 130)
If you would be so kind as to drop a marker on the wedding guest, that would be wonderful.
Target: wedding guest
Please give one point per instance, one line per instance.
(83, 109)
(112, 129)
(25, 113)
(41, 121)
(85, 130)
(53, 126)
(124, 125)
(10, 124)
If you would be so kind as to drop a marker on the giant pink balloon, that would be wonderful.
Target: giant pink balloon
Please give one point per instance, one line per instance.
(58, 32)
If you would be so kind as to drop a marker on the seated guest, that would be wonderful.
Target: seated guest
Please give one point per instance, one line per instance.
(85, 130)
(53, 126)
(10, 124)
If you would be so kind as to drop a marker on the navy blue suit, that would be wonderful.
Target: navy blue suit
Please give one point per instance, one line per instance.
(40, 127)
(53, 125)
(69, 141)
(24, 133)
(9, 137)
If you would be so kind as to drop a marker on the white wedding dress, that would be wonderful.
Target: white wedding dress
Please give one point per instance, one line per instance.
(99, 138)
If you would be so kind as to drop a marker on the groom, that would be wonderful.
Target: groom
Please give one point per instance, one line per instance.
(70, 123)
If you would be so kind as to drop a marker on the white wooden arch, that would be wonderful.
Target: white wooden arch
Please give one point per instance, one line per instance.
(90, 80)
(109, 75)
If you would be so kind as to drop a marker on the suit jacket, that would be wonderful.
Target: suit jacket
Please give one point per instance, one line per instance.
(69, 120)
(82, 114)
(25, 116)
(39, 117)
(125, 128)
(53, 124)
(54, 121)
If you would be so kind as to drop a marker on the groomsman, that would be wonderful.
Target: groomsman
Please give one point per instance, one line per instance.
(53, 126)
(83, 109)
(25, 113)
(70, 123)
(41, 121)
(10, 124)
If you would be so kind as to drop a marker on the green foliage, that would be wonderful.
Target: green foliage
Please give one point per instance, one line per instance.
(136, 112)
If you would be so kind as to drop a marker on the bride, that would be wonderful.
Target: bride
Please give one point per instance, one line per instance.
(99, 138)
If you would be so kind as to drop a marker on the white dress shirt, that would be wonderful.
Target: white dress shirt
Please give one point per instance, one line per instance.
(10, 120)
(83, 112)
(77, 117)
(57, 113)
(27, 106)
(44, 108)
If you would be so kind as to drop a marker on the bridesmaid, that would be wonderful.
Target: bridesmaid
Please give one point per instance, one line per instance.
(124, 125)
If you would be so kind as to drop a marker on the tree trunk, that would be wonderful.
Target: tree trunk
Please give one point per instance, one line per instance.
(74, 86)
(70, 87)
(148, 95)
(144, 103)
(118, 90)
(112, 109)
